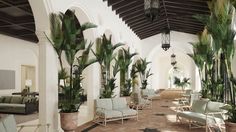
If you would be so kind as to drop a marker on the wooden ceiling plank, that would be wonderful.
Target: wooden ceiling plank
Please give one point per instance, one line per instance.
(11, 5)
(122, 4)
(23, 23)
(129, 8)
(162, 23)
(146, 25)
(186, 8)
(113, 2)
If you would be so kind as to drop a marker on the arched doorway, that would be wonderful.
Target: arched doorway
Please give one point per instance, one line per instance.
(173, 73)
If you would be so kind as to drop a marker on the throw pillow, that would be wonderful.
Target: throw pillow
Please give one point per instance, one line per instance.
(16, 100)
(7, 99)
(1, 99)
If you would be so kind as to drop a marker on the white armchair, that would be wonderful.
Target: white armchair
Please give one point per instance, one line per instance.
(105, 112)
(120, 104)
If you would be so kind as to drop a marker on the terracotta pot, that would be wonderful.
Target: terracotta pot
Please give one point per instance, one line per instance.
(230, 127)
(69, 121)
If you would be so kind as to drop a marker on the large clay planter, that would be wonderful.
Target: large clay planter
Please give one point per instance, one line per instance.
(69, 121)
(230, 127)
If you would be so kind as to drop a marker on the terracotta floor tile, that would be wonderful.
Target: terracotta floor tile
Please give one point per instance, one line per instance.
(165, 121)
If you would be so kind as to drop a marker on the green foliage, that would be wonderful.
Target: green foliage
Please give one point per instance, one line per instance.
(105, 54)
(66, 36)
(127, 89)
(141, 66)
(181, 83)
(219, 26)
(124, 60)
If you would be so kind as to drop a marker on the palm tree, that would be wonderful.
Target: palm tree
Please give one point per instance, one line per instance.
(105, 54)
(141, 66)
(124, 60)
(66, 36)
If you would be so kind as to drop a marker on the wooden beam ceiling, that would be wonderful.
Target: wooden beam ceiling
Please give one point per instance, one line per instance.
(174, 14)
(16, 20)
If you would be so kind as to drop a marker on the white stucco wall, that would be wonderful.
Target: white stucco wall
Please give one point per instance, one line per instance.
(151, 49)
(14, 53)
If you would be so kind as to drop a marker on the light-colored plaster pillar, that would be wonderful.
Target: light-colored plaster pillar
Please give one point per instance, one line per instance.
(48, 90)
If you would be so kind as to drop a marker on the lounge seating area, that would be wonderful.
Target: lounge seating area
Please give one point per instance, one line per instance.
(204, 113)
(113, 109)
(118, 65)
(19, 104)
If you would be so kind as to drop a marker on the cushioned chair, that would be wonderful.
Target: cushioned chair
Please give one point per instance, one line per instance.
(8, 124)
(203, 113)
(120, 104)
(105, 112)
(150, 94)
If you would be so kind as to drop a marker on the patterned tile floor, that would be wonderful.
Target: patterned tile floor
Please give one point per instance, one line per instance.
(157, 119)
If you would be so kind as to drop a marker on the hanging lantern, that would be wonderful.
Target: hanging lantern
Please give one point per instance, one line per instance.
(151, 9)
(173, 59)
(165, 39)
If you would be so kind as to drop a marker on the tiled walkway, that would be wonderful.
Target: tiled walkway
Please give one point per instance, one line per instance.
(161, 117)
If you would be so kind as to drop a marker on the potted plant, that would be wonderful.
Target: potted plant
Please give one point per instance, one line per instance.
(67, 36)
(219, 25)
(105, 54)
(124, 60)
(141, 66)
(181, 83)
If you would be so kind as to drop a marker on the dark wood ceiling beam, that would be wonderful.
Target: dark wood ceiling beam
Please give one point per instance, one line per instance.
(113, 2)
(188, 8)
(34, 39)
(187, 4)
(122, 4)
(16, 5)
(146, 25)
(155, 29)
(184, 11)
(195, 2)
(188, 22)
(186, 25)
(185, 28)
(23, 23)
(131, 14)
(129, 8)
(186, 31)
(12, 5)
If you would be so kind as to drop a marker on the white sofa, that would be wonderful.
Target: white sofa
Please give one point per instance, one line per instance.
(111, 109)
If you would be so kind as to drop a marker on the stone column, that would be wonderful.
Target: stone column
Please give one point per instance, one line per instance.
(48, 90)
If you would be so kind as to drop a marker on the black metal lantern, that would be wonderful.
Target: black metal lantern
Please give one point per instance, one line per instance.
(151, 9)
(165, 39)
(173, 59)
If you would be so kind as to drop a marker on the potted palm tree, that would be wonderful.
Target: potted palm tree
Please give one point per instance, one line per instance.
(141, 66)
(124, 60)
(105, 54)
(219, 25)
(181, 83)
(67, 36)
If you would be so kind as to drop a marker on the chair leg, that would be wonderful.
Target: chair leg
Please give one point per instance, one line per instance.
(105, 123)
(122, 120)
